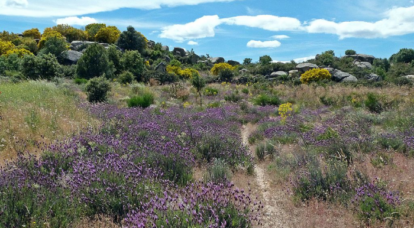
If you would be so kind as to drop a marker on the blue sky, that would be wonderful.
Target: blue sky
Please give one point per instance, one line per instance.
(236, 29)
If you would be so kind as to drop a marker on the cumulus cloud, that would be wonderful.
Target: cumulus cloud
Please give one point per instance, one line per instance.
(397, 22)
(76, 20)
(266, 22)
(304, 59)
(47, 8)
(200, 28)
(280, 37)
(263, 44)
(192, 43)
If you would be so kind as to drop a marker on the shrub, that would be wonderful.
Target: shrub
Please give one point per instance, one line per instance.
(97, 89)
(126, 77)
(265, 99)
(210, 91)
(19, 51)
(373, 104)
(245, 90)
(47, 66)
(32, 33)
(93, 29)
(13, 62)
(265, 60)
(29, 65)
(198, 83)
(232, 97)
(70, 33)
(94, 62)
(54, 45)
(315, 75)
(132, 40)
(80, 81)
(217, 68)
(405, 55)
(143, 101)
(131, 61)
(226, 75)
(350, 52)
(218, 172)
(5, 46)
(48, 33)
(114, 56)
(108, 35)
(264, 149)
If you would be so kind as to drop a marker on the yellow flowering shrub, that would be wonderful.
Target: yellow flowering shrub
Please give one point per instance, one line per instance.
(285, 110)
(186, 104)
(34, 33)
(219, 67)
(5, 46)
(315, 75)
(47, 34)
(108, 35)
(19, 51)
(186, 73)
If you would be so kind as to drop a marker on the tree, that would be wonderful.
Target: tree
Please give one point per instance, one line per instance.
(47, 66)
(29, 66)
(405, 55)
(6, 36)
(327, 58)
(247, 61)
(33, 33)
(265, 60)
(198, 83)
(108, 35)
(131, 61)
(94, 63)
(54, 46)
(93, 29)
(132, 40)
(350, 52)
(29, 44)
(5, 46)
(114, 56)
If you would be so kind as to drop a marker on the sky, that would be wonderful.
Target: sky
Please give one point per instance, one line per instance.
(236, 29)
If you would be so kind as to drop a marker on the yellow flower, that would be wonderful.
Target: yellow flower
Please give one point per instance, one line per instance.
(186, 104)
(285, 110)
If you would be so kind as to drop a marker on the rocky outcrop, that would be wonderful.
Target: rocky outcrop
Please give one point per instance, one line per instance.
(193, 59)
(151, 44)
(362, 58)
(233, 62)
(363, 65)
(71, 57)
(303, 67)
(244, 71)
(411, 77)
(294, 73)
(217, 60)
(165, 48)
(76, 45)
(340, 76)
(167, 59)
(162, 67)
(373, 77)
(350, 79)
(179, 51)
(275, 75)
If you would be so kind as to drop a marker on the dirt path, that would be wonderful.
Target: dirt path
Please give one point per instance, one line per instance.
(273, 215)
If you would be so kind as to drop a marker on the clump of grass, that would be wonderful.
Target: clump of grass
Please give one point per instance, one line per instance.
(143, 101)
(265, 99)
(264, 149)
(218, 172)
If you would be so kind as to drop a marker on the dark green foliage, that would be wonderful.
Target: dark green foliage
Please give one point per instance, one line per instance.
(29, 65)
(226, 75)
(92, 30)
(131, 40)
(80, 81)
(97, 89)
(265, 99)
(245, 90)
(126, 77)
(131, 61)
(143, 101)
(68, 71)
(211, 91)
(233, 97)
(265, 60)
(373, 103)
(325, 59)
(247, 61)
(163, 78)
(382, 64)
(13, 62)
(405, 55)
(350, 52)
(400, 69)
(42, 67)
(94, 62)
(54, 46)
(3, 64)
(114, 56)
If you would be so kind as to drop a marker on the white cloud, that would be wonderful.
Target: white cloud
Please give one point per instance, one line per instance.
(76, 20)
(280, 37)
(266, 22)
(304, 59)
(200, 28)
(263, 44)
(48, 8)
(397, 22)
(192, 43)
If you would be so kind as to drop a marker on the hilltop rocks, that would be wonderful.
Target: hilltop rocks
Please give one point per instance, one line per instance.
(71, 57)
(75, 45)
(303, 67)
(244, 71)
(362, 58)
(151, 43)
(193, 58)
(217, 60)
(294, 73)
(363, 65)
(411, 77)
(275, 75)
(165, 48)
(373, 77)
(167, 59)
(340, 76)
(233, 62)
(162, 67)
(179, 51)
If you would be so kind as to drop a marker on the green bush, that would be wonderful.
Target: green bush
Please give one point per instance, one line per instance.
(143, 101)
(126, 77)
(373, 103)
(233, 97)
(264, 149)
(315, 75)
(97, 89)
(114, 56)
(265, 99)
(218, 172)
(131, 61)
(245, 90)
(47, 66)
(80, 81)
(132, 40)
(210, 91)
(54, 46)
(350, 52)
(226, 75)
(94, 62)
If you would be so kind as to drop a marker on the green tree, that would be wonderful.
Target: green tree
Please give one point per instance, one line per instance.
(350, 52)
(114, 56)
(405, 55)
(327, 58)
(198, 83)
(55, 46)
(29, 65)
(226, 75)
(93, 29)
(94, 63)
(70, 32)
(247, 61)
(265, 60)
(131, 61)
(47, 66)
(132, 40)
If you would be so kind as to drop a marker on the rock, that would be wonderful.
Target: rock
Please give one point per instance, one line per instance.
(71, 57)
(217, 60)
(179, 51)
(303, 67)
(165, 48)
(373, 77)
(362, 58)
(294, 73)
(350, 79)
(151, 43)
(76, 44)
(162, 67)
(363, 65)
(167, 59)
(340, 76)
(330, 69)
(194, 58)
(243, 71)
(233, 62)
(411, 77)
(277, 74)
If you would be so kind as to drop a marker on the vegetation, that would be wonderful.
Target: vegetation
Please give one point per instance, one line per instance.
(97, 89)
(94, 63)
(315, 75)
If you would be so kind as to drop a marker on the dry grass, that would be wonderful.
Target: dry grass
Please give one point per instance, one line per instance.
(97, 222)
(35, 113)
